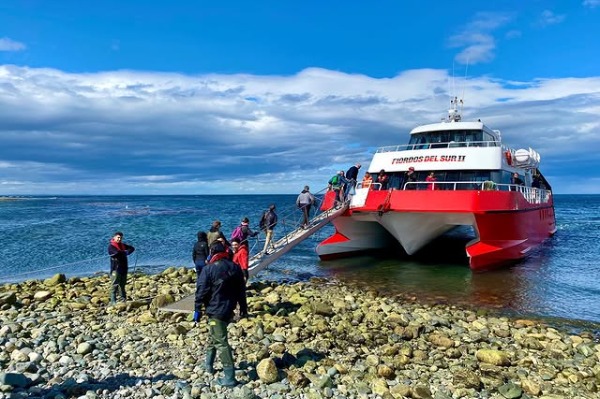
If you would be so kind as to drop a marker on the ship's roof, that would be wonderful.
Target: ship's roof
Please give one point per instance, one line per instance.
(443, 126)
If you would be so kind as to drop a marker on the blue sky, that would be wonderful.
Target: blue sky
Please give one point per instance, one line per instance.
(157, 97)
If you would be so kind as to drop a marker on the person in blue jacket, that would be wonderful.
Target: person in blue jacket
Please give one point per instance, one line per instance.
(222, 287)
(118, 252)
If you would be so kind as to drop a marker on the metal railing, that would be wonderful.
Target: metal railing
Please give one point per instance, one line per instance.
(289, 219)
(533, 195)
(427, 146)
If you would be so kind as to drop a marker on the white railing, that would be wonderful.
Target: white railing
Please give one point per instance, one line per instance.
(532, 195)
(427, 146)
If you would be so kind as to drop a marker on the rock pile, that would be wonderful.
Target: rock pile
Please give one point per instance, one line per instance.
(60, 339)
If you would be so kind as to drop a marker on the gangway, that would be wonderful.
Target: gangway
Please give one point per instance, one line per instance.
(261, 260)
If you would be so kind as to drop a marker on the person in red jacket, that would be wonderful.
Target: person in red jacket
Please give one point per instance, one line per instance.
(118, 252)
(240, 256)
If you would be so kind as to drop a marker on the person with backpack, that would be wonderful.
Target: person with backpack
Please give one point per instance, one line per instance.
(304, 201)
(243, 231)
(267, 224)
(215, 233)
(222, 288)
(337, 184)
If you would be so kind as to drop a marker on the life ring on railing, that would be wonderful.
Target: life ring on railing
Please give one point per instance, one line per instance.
(508, 156)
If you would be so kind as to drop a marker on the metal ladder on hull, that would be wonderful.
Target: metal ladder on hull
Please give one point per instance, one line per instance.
(261, 260)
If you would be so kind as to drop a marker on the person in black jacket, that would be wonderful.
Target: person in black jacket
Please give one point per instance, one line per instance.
(352, 177)
(119, 266)
(268, 223)
(221, 289)
(200, 254)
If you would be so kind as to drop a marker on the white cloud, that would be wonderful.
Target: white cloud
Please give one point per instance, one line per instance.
(591, 3)
(477, 39)
(7, 44)
(549, 18)
(166, 133)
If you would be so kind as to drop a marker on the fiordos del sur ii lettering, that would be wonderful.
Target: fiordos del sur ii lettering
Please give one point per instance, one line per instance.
(430, 158)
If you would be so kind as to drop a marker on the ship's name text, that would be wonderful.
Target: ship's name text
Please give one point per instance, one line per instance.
(430, 158)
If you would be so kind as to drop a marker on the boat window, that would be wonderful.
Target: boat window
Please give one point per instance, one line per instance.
(458, 138)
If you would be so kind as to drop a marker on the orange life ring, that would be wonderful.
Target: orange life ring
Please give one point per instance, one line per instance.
(508, 156)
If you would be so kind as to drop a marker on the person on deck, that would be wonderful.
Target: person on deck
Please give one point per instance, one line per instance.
(516, 180)
(337, 184)
(383, 179)
(367, 181)
(304, 201)
(410, 177)
(431, 179)
(221, 289)
(351, 177)
(119, 266)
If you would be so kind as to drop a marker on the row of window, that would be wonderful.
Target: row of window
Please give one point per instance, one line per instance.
(457, 136)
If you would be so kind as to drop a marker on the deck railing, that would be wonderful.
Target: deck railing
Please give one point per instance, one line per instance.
(533, 195)
(427, 146)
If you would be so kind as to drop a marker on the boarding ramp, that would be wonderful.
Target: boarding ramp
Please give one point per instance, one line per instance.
(294, 233)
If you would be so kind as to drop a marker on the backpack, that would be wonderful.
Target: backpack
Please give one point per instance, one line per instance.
(335, 179)
(237, 234)
(263, 221)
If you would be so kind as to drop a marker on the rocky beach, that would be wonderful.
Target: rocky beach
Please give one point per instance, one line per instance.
(320, 338)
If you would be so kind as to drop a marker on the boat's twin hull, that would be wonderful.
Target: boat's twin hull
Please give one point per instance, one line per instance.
(507, 226)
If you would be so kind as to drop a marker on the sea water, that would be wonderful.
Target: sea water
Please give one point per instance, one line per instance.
(70, 235)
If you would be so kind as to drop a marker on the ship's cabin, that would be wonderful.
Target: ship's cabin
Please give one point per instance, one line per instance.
(455, 135)
(451, 135)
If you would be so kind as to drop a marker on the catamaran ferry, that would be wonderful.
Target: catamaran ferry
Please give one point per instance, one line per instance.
(450, 174)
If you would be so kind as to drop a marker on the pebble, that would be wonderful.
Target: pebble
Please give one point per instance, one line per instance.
(314, 339)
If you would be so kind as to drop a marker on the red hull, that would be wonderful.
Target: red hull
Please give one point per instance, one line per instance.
(507, 225)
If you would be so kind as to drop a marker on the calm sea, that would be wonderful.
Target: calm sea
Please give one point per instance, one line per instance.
(44, 236)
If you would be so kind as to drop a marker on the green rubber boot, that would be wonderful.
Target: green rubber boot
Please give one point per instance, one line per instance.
(229, 379)
(209, 361)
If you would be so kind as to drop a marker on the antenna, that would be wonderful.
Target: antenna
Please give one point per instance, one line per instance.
(453, 83)
(464, 84)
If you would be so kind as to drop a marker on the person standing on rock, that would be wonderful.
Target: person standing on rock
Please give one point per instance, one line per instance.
(221, 289)
(118, 252)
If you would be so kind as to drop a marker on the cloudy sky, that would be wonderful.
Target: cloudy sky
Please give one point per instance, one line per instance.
(163, 97)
